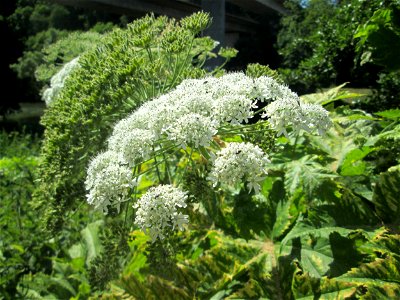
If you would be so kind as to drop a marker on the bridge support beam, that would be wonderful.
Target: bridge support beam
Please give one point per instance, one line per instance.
(216, 31)
(216, 8)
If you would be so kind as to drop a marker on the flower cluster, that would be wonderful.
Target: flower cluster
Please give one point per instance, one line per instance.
(192, 113)
(287, 109)
(58, 80)
(291, 112)
(192, 129)
(238, 162)
(108, 181)
(158, 211)
(190, 116)
(133, 146)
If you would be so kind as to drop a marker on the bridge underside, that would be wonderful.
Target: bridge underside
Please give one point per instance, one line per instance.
(233, 20)
(243, 21)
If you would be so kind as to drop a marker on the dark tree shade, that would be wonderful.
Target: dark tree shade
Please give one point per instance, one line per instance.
(14, 90)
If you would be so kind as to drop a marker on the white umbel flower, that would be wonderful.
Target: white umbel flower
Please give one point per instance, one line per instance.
(161, 115)
(236, 83)
(196, 86)
(240, 162)
(283, 113)
(158, 213)
(190, 115)
(192, 130)
(267, 88)
(316, 118)
(198, 103)
(133, 146)
(108, 181)
(233, 108)
(58, 80)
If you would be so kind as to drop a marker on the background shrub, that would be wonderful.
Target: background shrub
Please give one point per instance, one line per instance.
(326, 43)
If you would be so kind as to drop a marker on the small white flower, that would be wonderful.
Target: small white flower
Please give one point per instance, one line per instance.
(283, 113)
(158, 213)
(192, 130)
(196, 86)
(234, 83)
(268, 88)
(162, 114)
(316, 118)
(233, 108)
(58, 80)
(133, 146)
(240, 162)
(107, 181)
(197, 103)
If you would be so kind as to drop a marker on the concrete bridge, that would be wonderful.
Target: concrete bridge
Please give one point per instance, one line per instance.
(230, 17)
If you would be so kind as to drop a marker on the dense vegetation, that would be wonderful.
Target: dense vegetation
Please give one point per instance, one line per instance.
(324, 223)
(328, 43)
(29, 26)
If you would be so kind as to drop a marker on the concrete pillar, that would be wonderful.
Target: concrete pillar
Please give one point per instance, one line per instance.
(216, 8)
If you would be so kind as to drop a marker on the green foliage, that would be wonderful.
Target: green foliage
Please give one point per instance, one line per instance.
(64, 50)
(387, 94)
(39, 24)
(20, 252)
(378, 36)
(112, 243)
(68, 278)
(330, 261)
(33, 265)
(199, 275)
(386, 195)
(130, 67)
(376, 278)
(325, 226)
(327, 43)
(31, 58)
(311, 41)
(376, 40)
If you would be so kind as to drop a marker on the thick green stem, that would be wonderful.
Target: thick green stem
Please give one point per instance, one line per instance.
(157, 169)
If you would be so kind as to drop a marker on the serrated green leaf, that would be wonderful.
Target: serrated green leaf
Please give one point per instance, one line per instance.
(386, 196)
(381, 273)
(305, 173)
(63, 283)
(341, 292)
(352, 164)
(321, 251)
(392, 114)
(284, 219)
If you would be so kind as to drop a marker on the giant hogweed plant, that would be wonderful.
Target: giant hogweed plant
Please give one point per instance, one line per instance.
(194, 119)
(312, 227)
(200, 129)
(334, 192)
(130, 67)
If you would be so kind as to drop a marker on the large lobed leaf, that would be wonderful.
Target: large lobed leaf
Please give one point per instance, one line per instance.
(386, 196)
